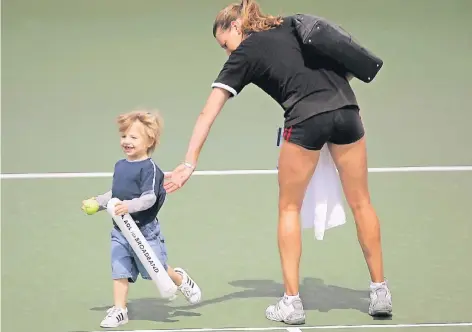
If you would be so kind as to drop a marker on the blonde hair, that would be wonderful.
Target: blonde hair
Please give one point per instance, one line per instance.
(152, 121)
(252, 19)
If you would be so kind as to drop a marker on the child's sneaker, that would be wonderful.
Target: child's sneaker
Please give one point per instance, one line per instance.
(189, 288)
(115, 317)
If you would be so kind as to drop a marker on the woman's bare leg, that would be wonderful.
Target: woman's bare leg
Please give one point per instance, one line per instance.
(351, 161)
(296, 167)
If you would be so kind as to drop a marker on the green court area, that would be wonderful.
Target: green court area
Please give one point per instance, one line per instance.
(55, 263)
(69, 68)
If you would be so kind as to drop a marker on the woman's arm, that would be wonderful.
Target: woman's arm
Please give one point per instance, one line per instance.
(213, 106)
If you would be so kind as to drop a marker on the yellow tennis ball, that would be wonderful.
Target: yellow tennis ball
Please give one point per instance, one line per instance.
(90, 206)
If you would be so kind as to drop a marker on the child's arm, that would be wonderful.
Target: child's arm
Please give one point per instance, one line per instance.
(103, 200)
(144, 202)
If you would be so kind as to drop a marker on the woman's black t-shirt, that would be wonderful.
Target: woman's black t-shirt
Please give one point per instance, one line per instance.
(273, 61)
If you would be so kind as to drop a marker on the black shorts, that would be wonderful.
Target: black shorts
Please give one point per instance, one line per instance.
(341, 126)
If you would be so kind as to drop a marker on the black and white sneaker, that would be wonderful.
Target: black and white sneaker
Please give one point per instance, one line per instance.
(115, 317)
(189, 287)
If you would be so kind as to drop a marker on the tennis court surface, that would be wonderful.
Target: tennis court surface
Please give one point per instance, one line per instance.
(57, 268)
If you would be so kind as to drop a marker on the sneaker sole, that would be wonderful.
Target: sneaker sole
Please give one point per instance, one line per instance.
(381, 313)
(296, 322)
(293, 322)
(114, 326)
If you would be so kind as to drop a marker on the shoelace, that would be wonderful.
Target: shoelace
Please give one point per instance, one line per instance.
(381, 290)
(187, 290)
(381, 294)
(112, 311)
(277, 311)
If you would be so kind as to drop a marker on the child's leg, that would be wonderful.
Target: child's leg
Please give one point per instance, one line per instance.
(123, 270)
(186, 285)
(120, 292)
(177, 278)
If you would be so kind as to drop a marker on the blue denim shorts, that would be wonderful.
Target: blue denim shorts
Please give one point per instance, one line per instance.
(125, 263)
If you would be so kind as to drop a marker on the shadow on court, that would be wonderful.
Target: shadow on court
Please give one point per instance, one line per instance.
(315, 293)
(154, 310)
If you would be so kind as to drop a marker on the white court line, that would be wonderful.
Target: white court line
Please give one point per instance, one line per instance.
(293, 329)
(14, 176)
(327, 327)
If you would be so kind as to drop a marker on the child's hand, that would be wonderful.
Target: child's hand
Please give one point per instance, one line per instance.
(85, 201)
(121, 208)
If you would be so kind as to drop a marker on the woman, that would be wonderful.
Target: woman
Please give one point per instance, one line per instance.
(319, 107)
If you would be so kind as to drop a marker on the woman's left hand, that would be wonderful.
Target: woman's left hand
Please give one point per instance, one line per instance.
(177, 178)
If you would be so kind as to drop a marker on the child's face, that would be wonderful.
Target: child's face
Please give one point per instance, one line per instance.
(135, 142)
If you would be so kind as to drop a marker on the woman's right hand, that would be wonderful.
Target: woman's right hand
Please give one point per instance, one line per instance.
(178, 177)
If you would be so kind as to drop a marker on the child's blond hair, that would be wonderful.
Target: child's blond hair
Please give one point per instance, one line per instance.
(151, 120)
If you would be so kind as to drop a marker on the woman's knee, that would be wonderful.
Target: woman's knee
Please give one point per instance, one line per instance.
(288, 207)
(359, 204)
(357, 193)
(289, 223)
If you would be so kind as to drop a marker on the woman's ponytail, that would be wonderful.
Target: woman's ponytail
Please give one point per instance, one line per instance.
(249, 12)
(253, 20)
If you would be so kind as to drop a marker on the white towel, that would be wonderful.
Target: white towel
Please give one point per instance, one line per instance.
(322, 206)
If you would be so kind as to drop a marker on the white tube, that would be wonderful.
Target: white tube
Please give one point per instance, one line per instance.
(143, 250)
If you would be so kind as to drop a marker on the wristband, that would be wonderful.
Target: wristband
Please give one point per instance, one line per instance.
(188, 165)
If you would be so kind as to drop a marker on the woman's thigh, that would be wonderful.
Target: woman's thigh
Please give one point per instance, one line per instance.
(296, 167)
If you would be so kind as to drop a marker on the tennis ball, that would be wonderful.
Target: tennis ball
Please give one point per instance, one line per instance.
(90, 206)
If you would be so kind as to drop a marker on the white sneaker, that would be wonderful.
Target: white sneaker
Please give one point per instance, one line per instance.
(115, 317)
(189, 287)
(380, 301)
(288, 313)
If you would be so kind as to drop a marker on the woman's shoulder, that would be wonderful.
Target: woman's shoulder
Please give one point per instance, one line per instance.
(287, 20)
(280, 32)
(256, 40)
